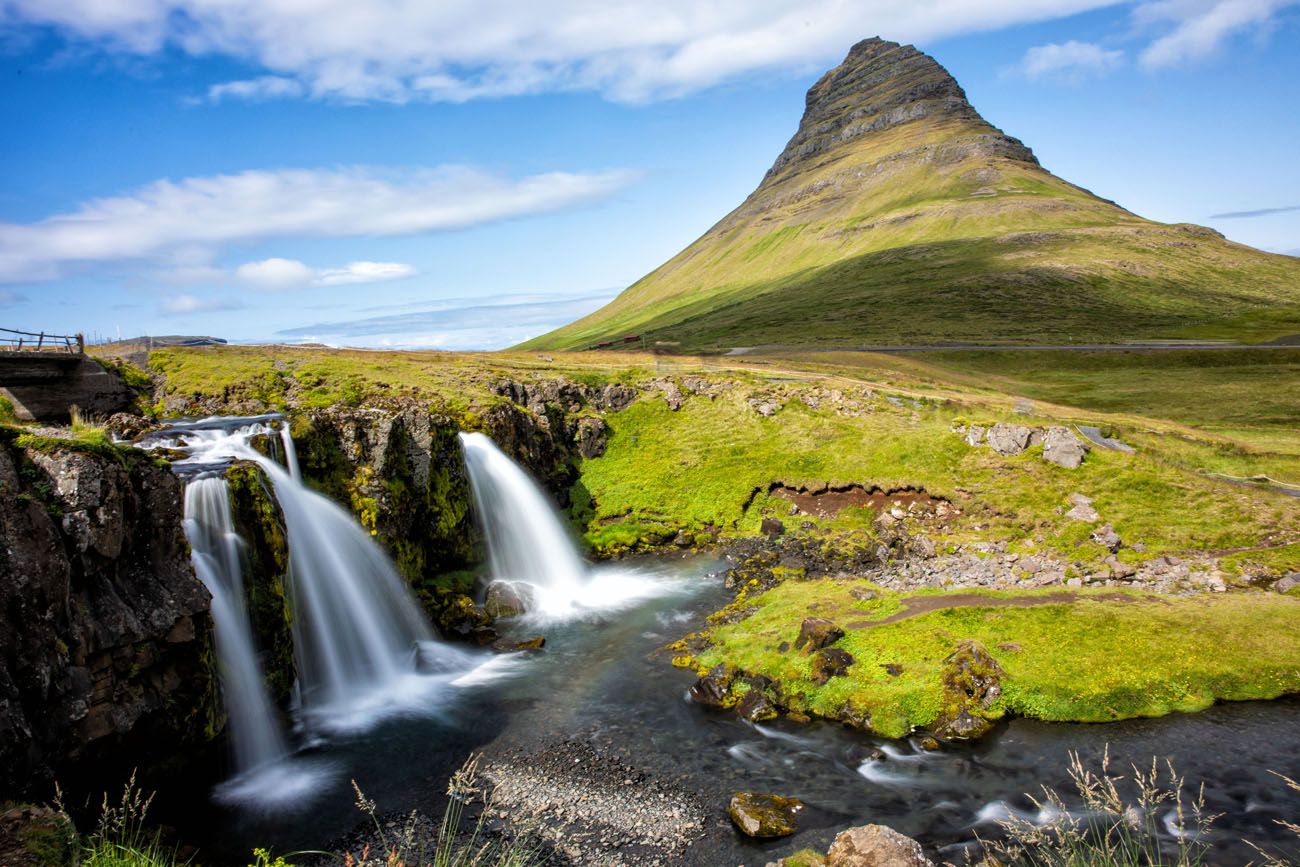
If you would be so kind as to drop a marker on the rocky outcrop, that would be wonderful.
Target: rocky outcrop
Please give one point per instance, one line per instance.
(972, 684)
(105, 637)
(1060, 444)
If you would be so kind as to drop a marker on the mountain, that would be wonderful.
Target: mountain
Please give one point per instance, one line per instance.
(898, 215)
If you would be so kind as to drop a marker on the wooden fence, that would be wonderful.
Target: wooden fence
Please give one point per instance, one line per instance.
(28, 341)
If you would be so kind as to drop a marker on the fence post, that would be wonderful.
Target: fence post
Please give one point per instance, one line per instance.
(41, 341)
(81, 343)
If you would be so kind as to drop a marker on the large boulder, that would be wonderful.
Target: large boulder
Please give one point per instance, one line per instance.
(816, 633)
(875, 846)
(764, 815)
(1009, 439)
(1063, 448)
(972, 684)
(507, 599)
(1288, 582)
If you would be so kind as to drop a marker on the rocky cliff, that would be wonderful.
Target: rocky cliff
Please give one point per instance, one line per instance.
(105, 636)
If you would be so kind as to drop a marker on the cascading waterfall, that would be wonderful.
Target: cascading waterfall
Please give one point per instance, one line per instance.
(255, 735)
(526, 541)
(528, 545)
(357, 629)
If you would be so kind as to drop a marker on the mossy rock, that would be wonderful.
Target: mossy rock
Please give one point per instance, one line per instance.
(764, 815)
(32, 836)
(972, 687)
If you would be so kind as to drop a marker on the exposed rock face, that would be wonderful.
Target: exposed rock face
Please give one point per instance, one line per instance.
(1063, 448)
(875, 846)
(880, 85)
(105, 637)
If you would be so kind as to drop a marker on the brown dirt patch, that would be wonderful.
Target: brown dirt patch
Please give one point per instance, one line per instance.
(827, 501)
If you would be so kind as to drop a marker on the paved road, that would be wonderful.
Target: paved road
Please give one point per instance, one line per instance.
(973, 347)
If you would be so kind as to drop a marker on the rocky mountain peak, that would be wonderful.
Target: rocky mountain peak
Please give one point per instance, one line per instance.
(879, 86)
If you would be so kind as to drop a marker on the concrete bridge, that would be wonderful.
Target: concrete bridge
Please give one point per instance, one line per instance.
(44, 375)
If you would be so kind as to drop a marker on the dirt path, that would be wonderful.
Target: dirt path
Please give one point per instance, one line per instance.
(917, 605)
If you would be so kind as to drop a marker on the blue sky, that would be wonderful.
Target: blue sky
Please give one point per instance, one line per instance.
(467, 175)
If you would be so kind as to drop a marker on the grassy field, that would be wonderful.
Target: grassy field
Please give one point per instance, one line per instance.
(708, 466)
(1093, 659)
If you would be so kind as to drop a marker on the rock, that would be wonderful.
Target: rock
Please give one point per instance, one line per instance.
(672, 394)
(863, 594)
(1063, 448)
(1288, 582)
(509, 645)
(972, 683)
(714, 688)
(507, 599)
(928, 743)
(104, 628)
(1106, 537)
(816, 633)
(615, 398)
(1009, 439)
(975, 435)
(764, 815)
(830, 662)
(756, 707)
(1082, 510)
(592, 436)
(464, 620)
(893, 669)
(129, 426)
(771, 527)
(1118, 568)
(875, 846)
(33, 836)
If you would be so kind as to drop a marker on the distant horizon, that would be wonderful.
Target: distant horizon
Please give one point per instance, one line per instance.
(178, 173)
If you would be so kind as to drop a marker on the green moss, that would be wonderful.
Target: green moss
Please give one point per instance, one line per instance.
(1090, 660)
(258, 522)
(91, 440)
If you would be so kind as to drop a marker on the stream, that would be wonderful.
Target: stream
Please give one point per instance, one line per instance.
(600, 680)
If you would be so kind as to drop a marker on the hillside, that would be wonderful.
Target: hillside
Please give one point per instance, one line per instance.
(897, 215)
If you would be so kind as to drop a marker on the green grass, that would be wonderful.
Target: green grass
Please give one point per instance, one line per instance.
(700, 466)
(1088, 661)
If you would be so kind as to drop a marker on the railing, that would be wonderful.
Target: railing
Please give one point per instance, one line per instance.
(22, 341)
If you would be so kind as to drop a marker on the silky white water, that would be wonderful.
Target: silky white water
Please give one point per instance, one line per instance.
(529, 546)
(362, 648)
(255, 735)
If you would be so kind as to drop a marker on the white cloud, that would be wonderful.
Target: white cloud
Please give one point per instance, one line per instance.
(455, 50)
(181, 305)
(1070, 59)
(1200, 27)
(265, 87)
(181, 219)
(277, 275)
(364, 272)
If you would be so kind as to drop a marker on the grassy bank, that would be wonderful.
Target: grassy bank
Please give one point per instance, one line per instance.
(1097, 657)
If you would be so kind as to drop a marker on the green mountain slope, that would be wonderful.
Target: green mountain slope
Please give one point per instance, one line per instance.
(897, 215)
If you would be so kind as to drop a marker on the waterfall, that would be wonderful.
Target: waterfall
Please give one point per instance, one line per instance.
(526, 542)
(255, 735)
(357, 628)
(290, 452)
(530, 549)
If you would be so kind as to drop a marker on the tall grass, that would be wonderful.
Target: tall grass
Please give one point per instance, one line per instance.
(121, 839)
(408, 844)
(1111, 828)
